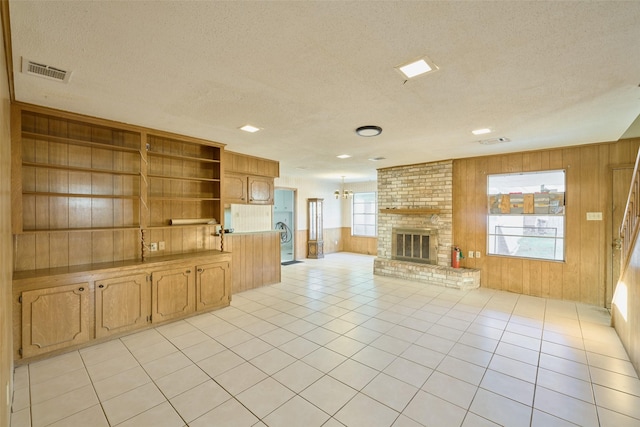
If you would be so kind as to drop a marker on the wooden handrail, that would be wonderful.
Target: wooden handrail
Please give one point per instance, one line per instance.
(630, 221)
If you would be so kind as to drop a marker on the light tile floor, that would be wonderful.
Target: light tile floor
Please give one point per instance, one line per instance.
(333, 345)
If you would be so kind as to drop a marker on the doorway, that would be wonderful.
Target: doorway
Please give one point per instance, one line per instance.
(621, 181)
(284, 220)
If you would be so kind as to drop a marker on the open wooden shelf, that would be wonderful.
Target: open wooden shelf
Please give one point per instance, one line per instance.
(78, 169)
(183, 178)
(78, 195)
(79, 142)
(181, 157)
(73, 230)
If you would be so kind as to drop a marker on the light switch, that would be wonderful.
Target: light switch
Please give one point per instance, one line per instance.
(594, 216)
(470, 254)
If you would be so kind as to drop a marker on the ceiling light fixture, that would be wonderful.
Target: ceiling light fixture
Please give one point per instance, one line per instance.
(249, 128)
(377, 159)
(481, 131)
(345, 194)
(494, 141)
(416, 68)
(343, 156)
(369, 131)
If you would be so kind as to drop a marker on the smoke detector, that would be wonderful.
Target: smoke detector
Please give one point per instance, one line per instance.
(47, 71)
(494, 141)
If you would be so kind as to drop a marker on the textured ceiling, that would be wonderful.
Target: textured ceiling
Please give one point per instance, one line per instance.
(543, 74)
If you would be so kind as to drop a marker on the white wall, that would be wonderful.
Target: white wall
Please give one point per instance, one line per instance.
(356, 187)
(308, 188)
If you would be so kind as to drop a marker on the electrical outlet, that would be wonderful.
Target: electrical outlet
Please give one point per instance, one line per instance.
(161, 246)
(153, 247)
(470, 254)
(477, 254)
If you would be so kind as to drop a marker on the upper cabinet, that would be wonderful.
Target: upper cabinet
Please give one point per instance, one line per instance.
(249, 179)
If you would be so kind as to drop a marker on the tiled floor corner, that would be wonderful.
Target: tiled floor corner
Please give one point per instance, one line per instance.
(334, 345)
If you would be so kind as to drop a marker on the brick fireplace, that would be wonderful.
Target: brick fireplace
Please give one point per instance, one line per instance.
(418, 201)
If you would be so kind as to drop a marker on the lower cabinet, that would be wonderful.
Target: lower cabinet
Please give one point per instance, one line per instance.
(55, 318)
(122, 304)
(56, 312)
(172, 294)
(213, 285)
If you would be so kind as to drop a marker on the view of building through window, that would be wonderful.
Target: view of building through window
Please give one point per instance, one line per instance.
(526, 215)
(365, 214)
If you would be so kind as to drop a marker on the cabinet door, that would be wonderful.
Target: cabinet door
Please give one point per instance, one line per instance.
(122, 304)
(235, 188)
(172, 294)
(260, 190)
(55, 318)
(213, 285)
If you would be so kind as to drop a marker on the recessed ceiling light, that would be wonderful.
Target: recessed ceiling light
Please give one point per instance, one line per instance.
(249, 128)
(377, 159)
(343, 156)
(481, 131)
(416, 68)
(369, 130)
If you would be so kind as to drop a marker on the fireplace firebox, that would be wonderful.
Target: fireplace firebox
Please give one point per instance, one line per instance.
(415, 245)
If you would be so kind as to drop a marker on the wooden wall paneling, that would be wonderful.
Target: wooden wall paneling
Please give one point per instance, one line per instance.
(492, 266)
(591, 242)
(512, 162)
(573, 223)
(460, 208)
(16, 168)
(479, 209)
(515, 275)
(545, 291)
(532, 282)
(175, 241)
(526, 277)
(42, 251)
(24, 252)
(245, 264)
(532, 161)
(58, 249)
(79, 244)
(101, 246)
(131, 246)
(255, 254)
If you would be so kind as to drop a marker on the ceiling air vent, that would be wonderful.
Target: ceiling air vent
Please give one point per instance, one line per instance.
(494, 141)
(46, 71)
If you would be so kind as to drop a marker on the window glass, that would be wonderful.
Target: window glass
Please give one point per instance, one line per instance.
(526, 215)
(365, 214)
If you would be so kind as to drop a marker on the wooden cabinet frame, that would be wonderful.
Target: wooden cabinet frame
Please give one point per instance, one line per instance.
(53, 313)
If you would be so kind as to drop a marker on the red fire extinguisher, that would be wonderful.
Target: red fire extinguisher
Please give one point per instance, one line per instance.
(456, 256)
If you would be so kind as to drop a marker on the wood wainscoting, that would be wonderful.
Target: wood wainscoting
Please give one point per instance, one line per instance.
(585, 273)
(338, 240)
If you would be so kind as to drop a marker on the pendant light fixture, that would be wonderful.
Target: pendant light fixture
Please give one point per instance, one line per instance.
(345, 194)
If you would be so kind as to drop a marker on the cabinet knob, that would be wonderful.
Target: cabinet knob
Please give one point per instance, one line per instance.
(200, 270)
(81, 289)
(101, 286)
(188, 271)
